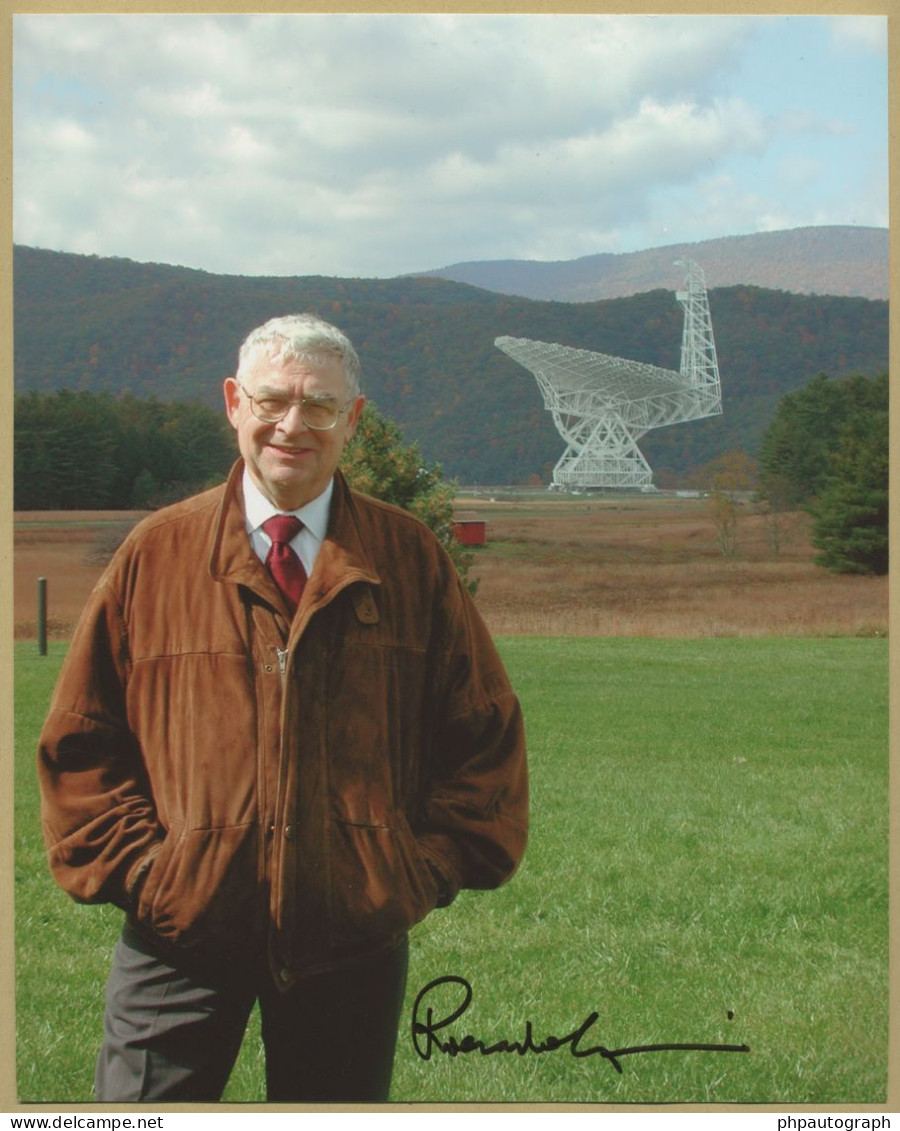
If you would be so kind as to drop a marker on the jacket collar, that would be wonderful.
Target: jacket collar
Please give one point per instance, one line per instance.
(342, 559)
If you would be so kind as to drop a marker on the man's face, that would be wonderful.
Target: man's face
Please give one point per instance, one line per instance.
(289, 462)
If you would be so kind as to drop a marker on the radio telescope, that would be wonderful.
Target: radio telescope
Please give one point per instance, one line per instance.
(602, 405)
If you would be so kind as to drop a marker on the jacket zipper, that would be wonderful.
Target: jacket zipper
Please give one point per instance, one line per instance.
(283, 657)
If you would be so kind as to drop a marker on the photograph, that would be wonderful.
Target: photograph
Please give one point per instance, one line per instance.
(450, 545)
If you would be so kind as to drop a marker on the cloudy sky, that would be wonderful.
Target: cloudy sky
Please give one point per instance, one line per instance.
(374, 145)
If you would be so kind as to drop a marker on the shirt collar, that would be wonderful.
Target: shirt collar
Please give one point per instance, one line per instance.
(313, 515)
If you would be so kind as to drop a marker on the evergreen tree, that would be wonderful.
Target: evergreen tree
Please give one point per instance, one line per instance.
(827, 451)
(377, 462)
(850, 520)
(806, 430)
(94, 451)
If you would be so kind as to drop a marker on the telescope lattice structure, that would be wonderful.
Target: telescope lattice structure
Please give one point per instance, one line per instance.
(602, 405)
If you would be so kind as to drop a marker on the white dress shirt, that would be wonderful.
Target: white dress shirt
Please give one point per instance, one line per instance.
(314, 516)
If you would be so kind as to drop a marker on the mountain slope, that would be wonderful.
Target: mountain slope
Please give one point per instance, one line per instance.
(826, 260)
(427, 349)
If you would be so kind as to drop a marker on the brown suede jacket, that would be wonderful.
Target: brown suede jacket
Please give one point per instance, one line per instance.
(246, 784)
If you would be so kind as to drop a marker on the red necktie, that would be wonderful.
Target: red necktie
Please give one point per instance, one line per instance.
(281, 561)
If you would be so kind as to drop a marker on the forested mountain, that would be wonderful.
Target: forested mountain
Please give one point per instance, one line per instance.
(825, 260)
(429, 361)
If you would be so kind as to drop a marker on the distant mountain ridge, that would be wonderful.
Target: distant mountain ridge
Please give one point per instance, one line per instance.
(832, 260)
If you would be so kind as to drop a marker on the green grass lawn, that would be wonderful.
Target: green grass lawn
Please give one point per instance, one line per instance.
(708, 864)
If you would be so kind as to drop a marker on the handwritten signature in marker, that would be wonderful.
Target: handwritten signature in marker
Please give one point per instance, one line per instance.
(425, 1026)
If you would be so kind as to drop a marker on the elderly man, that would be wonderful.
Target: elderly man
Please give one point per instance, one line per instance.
(282, 735)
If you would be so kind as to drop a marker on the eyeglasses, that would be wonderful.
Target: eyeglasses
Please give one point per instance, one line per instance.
(318, 413)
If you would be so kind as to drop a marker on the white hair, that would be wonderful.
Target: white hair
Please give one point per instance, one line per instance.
(301, 336)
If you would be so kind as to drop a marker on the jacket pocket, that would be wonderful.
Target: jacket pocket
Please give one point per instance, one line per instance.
(201, 889)
(380, 883)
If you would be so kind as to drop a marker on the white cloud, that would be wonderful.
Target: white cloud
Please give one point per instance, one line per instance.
(68, 137)
(867, 32)
(377, 144)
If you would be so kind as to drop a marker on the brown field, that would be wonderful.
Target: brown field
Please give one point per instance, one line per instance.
(651, 566)
(66, 548)
(635, 566)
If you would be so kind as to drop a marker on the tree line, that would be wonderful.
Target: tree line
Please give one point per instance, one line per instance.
(826, 451)
(94, 451)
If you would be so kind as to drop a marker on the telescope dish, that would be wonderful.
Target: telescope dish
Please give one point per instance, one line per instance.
(602, 405)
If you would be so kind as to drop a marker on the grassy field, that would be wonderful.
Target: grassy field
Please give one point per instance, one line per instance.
(708, 864)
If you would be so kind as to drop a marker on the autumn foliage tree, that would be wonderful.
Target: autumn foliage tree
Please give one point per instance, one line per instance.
(725, 479)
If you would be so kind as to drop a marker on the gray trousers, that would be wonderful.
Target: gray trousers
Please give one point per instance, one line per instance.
(173, 1035)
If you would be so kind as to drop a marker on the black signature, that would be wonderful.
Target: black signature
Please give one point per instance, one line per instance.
(426, 1043)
